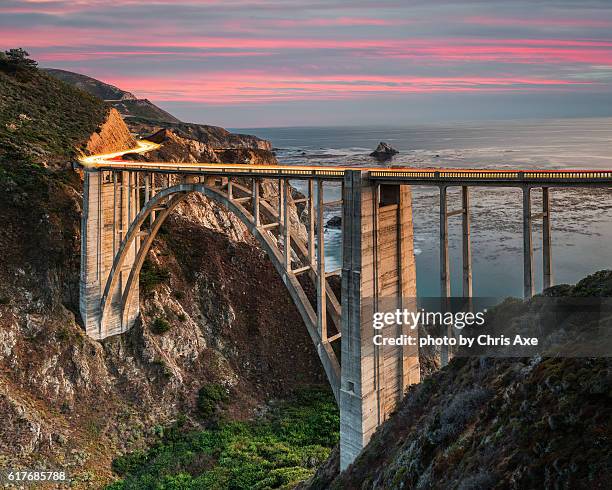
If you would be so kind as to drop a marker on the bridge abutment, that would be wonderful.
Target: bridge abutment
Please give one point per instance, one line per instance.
(109, 205)
(378, 268)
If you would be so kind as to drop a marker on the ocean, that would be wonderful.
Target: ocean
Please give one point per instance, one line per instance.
(581, 219)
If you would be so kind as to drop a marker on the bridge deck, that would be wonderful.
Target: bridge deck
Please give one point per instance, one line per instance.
(423, 176)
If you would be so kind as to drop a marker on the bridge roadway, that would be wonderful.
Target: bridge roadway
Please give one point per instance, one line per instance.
(403, 175)
(126, 202)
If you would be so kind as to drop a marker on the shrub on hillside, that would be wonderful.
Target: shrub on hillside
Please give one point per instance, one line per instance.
(209, 398)
(160, 326)
(151, 275)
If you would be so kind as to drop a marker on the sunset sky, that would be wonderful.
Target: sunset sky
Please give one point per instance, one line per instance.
(328, 62)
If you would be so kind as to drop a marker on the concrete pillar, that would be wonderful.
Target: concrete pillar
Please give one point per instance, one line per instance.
(321, 279)
(256, 214)
(445, 280)
(546, 240)
(90, 281)
(286, 225)
(467, 245)
(378, 267)
(311, 224)
(528, 284)
(107, 201)
(445, 286)
(281, 217)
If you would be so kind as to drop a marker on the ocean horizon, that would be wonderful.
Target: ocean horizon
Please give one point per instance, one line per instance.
(578, 215)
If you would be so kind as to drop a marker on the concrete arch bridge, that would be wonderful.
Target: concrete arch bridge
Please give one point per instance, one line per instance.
(125, 204)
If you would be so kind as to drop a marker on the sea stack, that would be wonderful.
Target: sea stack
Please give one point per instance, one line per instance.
(384, 152)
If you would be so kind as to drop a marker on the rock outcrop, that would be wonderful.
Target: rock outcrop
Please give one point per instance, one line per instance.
(113, 135)
(334, 222)
(214, 136)
(177, 147)
(384, 152)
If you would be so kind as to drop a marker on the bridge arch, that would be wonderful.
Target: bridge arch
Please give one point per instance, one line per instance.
(159, 207)
(118, 229)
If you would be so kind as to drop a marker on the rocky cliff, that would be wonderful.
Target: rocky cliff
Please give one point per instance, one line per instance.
(111, 136)
(178, 146)
(210, 135)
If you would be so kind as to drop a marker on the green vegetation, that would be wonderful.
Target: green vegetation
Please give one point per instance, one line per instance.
(275, 451)
(151, 276)
(160, 326)
(209, 398)
(42, 120)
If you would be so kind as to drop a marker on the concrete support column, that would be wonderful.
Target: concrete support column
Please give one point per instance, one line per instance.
(311, 224)
(90, 285)
(445, 280)
(281, 217)
(255, 193)
(546, 240)
(378, 265)
(528, 283)
(108, 202)
(321, 280)
(467, 245)
(115, 214)
(286, 225)
(445, 286)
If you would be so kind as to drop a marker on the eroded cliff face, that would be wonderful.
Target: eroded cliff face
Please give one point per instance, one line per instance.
(71, 402)
(212, 135)
(176, 147)
(113, 135)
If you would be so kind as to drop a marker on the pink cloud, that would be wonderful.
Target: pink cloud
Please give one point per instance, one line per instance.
(260, 87)
(174, 55)
(339, 21)
(59, 7)
(548, 23)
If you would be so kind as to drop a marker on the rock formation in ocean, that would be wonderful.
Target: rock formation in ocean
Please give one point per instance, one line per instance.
(384, 151)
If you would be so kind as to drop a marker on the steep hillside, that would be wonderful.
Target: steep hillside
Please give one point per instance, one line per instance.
(143, 117)
(47, 133)
(125, 102)
(210, 303)
(95, 87)
(484, 423)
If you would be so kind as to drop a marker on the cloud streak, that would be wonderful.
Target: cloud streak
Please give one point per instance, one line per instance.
(259, 51)
(261, 87)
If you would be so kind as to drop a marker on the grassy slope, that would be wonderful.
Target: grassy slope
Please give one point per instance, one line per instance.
(44, 120)
(275, 451)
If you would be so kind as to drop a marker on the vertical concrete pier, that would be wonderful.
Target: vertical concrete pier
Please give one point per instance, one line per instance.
(378, 264)
(528, 283)
(108, 206)
(546, 240)
(466, 242)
